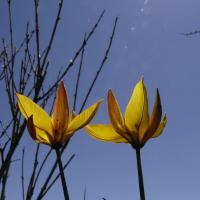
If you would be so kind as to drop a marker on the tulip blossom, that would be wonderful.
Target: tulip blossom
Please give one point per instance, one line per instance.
(136, 127)
(56, 129)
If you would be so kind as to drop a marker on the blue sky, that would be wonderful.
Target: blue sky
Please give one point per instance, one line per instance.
(148, 43)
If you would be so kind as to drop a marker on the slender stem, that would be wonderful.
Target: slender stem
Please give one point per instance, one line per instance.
(140, 175)
(64, 185)
(22, 176)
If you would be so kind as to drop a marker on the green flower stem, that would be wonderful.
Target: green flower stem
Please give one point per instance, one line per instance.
(64, 185)
(140, 175)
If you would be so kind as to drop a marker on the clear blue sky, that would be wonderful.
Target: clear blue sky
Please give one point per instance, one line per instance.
(148, 42)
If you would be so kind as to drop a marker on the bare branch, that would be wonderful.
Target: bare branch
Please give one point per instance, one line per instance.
(57, 176)
(78, 78)
(53, 32)
(71, 63)
(101, 66)
(30, 189)
(191, 33)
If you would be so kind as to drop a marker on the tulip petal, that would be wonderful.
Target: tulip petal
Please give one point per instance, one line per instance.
(160, 127)
(60, 115)
(136, 115)
(41, 117)
(42, 137)
(37, 134)
(104, 133)
(31, 127)
(68, 134)
(114, 112)
(156, 115)
(72, 115)
(83, 118)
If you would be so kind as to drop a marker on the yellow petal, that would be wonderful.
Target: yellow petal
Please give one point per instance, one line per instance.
(37, 134)
(114, 112)
(104, 133)
(40, 117)
(83, 118)
(72, 115)
(160, 127)
(136, 115)
(156, 115)
(31, 127)
(68, 134)
(42, 137)
(60, 115)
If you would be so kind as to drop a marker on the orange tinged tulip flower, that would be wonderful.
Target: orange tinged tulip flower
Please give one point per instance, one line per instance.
(54, 130)
(136, 126)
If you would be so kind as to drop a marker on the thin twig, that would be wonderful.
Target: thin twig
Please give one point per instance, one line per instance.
(30, 35)
(64, 147)
(78, 78)
(37, 35)
(11, 150)
(44, 186)
(4, 131)
(191, 33)
(84, 196)
(11, 32)
(71, 63)
(30, 189)
(41, 167)
(102, 64)
(13, 88)
(58, 175)
(53, 33)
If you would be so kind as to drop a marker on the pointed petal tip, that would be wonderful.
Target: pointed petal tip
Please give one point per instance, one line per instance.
(157, 92)
(110, 95)
(158, 97)
(17, 94)
(97, 104)
(136, 113)
(141, 81)
(110, 91)
(84, 117)
(100, 101)
(61, 85)
(142, 78)
(61, 90)
(19, 97)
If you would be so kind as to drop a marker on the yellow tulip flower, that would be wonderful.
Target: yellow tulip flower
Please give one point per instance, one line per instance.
(58, 128)
(136, 127)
